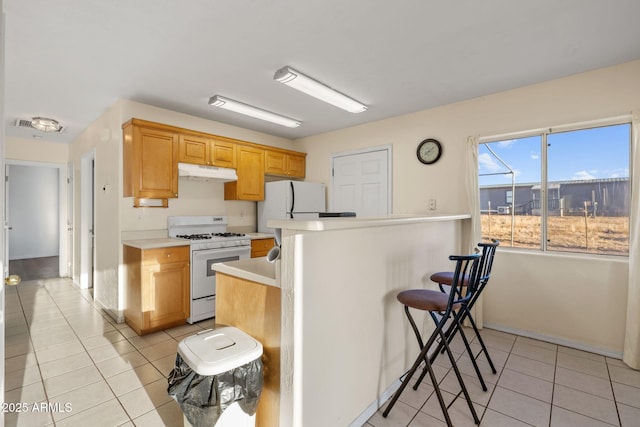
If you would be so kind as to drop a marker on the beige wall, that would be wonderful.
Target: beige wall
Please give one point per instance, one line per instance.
(36, 150)
(509, 304)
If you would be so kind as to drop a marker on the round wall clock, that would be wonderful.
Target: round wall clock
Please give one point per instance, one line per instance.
(429, 151)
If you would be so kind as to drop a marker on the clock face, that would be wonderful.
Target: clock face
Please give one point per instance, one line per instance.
(429, 151)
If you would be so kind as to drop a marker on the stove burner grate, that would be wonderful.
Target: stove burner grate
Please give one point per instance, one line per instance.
(194, 236)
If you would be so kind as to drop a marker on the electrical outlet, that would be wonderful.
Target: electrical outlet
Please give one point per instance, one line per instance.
(432, 204)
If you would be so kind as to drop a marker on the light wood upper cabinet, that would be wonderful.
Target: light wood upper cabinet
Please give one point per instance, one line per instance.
(250, 170)
(150, 161)
(201, 150)
(296, 165)
(152, 152)
(223, 153)
(283, 163)
(194, 149)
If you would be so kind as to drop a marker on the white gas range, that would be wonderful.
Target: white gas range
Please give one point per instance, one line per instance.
(210, 243)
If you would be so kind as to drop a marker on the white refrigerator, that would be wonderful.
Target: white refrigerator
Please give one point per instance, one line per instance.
(290, 200)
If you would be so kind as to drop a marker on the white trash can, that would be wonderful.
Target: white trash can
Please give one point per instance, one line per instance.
(226, 360)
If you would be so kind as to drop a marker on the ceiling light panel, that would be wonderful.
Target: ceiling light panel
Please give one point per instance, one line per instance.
(299, 81)
(249, 110)
(45, 124)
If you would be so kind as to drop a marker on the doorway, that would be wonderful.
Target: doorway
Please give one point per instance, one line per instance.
(361, 181)
(87, 219)
(35, 217)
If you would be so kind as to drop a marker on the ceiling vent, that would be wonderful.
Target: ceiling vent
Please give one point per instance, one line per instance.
(23, 123)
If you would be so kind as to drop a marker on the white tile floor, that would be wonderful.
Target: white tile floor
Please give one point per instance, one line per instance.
(61, 350)
(537, 384)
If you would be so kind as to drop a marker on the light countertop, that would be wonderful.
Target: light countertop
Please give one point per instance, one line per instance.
(155, 243)
(255, 236)
(345, 223)
(253, 269)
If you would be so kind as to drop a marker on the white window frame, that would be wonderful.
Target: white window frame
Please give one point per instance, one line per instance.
(543, 133)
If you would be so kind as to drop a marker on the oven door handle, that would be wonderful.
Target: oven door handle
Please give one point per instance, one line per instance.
(221, 252)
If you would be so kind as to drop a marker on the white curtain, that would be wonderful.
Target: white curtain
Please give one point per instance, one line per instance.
(631, 355)
(473, 196)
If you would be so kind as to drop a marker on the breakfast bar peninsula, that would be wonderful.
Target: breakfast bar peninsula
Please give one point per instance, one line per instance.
(343, 339)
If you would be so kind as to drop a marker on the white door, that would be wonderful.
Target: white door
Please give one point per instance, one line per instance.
(87, 220)
(70, 219)
(7, 224)
(361, 182)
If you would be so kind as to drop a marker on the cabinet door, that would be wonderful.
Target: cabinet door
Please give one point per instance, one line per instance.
(250, 169)
(223, 154)
(167, 298)
(156, 168)
(274, 163)
(194, 149)
(296, 166)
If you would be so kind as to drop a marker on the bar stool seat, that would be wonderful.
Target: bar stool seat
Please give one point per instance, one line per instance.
(426, 299)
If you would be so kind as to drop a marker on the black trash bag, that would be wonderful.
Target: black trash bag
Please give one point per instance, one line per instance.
(203, 399)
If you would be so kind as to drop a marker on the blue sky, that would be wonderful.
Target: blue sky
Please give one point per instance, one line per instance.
(585, 154)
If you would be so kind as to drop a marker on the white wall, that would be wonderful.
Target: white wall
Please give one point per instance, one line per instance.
(348, 340)
(33, 200)
(593, 95)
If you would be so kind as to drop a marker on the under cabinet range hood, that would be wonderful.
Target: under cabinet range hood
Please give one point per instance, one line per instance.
(206, 173)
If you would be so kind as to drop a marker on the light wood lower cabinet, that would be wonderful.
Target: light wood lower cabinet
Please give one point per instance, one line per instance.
(260, 247)
(157, 287)
(255, 309)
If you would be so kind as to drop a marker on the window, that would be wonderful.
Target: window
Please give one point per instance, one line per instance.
(565, 190)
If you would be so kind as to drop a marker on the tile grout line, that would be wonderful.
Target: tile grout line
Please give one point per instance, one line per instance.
(613, 391)
(496, 384)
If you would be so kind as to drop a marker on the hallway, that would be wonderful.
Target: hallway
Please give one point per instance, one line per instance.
(35, 268)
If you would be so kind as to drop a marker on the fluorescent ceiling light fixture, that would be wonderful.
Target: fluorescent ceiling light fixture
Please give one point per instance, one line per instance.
(299, 81)
(248, 110)
(45, 124)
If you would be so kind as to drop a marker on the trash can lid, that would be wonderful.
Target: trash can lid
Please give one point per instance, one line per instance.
(214, 351)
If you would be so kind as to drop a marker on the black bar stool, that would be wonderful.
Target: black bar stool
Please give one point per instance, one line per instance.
(445, 278)
(441, 307)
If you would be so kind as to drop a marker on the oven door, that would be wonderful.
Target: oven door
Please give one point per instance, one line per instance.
(203, 276)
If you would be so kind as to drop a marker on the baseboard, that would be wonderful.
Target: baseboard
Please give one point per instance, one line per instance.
(375, 405)
(116, 315)
(555, 340)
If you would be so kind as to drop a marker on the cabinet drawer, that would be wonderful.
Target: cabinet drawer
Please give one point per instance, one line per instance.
(260, 247)
(205, 306)
(164, 255)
